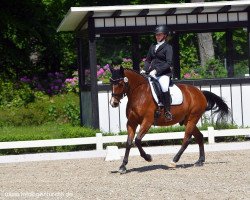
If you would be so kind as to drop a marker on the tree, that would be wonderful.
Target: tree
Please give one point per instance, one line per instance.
(205, 42)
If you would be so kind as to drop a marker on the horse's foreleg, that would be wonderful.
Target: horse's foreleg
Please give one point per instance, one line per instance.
(143, 129)
(131, 133)
(199, 140)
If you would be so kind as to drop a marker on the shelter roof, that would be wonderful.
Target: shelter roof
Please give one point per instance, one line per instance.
(76, 16)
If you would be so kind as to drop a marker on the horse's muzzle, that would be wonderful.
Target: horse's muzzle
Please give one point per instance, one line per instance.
(114, 102)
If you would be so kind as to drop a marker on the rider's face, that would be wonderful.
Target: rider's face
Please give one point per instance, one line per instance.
(160, 37)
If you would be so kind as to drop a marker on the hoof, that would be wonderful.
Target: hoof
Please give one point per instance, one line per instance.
(148, 158)
(122, 170)
(199, 163)
(172, 164)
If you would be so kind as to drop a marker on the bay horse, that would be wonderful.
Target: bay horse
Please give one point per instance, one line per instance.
(141, 109)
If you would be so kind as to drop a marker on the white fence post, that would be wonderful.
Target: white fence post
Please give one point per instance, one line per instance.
(210, 135)
(99, 143)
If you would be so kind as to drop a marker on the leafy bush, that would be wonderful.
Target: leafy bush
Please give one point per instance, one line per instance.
(62, 108)
(72, 113)
(15, 94)
(214, 69)
(241, 68)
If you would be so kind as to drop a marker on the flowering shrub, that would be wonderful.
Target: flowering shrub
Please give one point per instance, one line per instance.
(191, 75)
(213, 68)
(56, 83)
(71, 84)
(52, 84)
(103, 73)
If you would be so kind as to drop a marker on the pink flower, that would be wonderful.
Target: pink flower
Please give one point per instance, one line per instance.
(127, 60)
(187, 75)
(100, 72)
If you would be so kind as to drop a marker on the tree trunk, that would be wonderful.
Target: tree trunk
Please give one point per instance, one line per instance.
(205, 42)
(206, 47)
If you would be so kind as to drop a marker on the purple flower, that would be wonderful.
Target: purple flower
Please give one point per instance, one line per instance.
(25, 79)
(106, 67)
(68, 80)
(58, 80)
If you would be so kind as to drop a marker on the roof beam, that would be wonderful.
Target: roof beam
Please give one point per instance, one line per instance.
(197, 10)
(170, 11)
(143, 12)
(247, 9)
(117, 13)
(84, 20)
(224, 9)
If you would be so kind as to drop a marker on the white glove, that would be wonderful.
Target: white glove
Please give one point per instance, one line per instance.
(142, 71)
(153, 73)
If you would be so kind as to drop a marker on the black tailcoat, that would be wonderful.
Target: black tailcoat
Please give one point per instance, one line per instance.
(161, 60)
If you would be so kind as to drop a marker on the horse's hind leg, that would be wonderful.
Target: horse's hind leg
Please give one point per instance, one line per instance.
(199, 140)
(186, 141)
(143, 129)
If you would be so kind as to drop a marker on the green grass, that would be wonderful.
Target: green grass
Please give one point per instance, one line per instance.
(42, 132)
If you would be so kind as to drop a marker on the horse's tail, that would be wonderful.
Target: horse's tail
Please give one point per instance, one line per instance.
(216, 104)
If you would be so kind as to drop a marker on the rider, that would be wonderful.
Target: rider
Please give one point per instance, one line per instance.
(158, 64)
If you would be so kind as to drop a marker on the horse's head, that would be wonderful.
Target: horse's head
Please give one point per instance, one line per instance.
(119, 85)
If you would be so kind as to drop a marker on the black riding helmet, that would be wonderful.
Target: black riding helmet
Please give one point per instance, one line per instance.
(162, 29)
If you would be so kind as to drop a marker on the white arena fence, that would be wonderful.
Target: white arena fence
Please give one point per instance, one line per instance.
(235, 92)
(101, 139)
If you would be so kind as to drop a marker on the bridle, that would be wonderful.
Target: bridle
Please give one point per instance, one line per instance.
(121, 95)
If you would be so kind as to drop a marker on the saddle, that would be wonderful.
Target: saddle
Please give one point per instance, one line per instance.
(175, 92)
(157, 88)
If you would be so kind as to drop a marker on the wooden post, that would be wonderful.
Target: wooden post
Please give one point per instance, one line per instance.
(176, 57)
(229, 53)
(93, 74)
(136, 52)
(81, 76)
(211, 135)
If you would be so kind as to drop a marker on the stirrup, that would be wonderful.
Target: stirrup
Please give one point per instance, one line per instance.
(168, 115)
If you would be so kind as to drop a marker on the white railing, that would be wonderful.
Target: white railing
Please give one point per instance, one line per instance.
(99, 140)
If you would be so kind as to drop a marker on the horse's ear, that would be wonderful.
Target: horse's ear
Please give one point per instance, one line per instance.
(122, 71)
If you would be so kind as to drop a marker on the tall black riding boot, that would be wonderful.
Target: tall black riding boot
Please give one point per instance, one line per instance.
(166, 103)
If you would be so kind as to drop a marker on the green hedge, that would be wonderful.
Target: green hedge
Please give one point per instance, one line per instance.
(43, 132)
(62, 108)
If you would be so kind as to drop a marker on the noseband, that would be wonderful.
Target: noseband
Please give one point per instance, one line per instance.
(119, 96)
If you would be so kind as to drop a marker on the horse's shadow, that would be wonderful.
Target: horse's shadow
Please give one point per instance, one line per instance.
(157, 167)
(164, 167)
(154, 167)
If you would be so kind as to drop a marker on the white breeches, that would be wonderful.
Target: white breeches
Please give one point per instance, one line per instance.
(164, 82)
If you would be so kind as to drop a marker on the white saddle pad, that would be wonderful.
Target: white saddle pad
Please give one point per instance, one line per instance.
(175, 92)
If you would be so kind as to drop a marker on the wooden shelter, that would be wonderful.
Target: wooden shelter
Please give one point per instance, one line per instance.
(88, 23)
